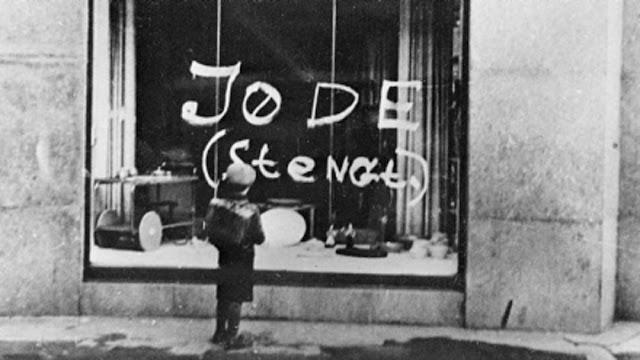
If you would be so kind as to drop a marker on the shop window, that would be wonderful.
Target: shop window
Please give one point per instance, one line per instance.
(351, 111)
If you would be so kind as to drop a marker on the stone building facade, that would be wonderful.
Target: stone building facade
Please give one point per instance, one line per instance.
(554, 90)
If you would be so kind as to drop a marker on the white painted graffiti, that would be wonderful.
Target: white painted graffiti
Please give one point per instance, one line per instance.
(361, 171)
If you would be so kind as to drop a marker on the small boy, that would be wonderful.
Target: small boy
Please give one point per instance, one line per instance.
(233, 226)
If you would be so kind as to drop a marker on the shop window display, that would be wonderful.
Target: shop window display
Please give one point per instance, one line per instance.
(348, 110)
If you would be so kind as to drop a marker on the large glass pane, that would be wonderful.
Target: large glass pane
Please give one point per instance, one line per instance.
(300, 60)
(286, 44)
(366, 53)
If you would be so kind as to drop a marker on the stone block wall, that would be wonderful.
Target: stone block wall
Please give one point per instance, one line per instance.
(543, 172)
(43, 59)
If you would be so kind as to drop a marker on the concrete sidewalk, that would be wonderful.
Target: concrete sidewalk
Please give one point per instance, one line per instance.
(179, 338)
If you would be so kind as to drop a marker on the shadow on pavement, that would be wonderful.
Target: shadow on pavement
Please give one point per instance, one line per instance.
(420, 348)
(445, 348)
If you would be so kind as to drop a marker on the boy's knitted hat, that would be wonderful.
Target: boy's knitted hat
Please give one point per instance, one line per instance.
(240, 174)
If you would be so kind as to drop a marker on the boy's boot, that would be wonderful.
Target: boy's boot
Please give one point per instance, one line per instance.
(220, 335)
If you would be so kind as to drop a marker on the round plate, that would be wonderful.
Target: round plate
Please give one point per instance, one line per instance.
(107, 217)
(283, 227)
(150, 231)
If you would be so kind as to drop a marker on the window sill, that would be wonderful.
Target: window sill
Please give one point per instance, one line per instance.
(293, 266)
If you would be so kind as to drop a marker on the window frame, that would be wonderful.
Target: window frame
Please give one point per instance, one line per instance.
(270, 277)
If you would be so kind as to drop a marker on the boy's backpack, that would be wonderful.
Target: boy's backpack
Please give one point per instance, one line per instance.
(227, 222)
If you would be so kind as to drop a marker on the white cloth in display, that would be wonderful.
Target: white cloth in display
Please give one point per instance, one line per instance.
(283, 227)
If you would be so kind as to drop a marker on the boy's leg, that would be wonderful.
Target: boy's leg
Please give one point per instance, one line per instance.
(234, 341)
(233, 316)
(222, 316)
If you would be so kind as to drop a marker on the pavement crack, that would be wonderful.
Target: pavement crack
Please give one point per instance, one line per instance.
(634, 335)
(588, 343)
(607, 347)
